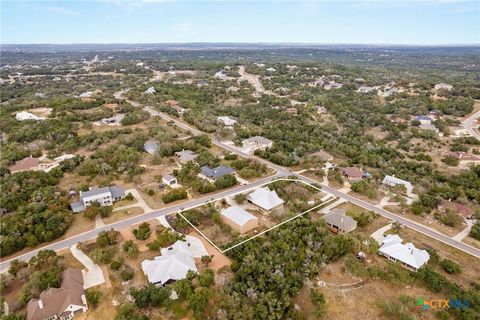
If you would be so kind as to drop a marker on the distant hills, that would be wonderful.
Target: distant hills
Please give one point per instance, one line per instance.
(215, 46)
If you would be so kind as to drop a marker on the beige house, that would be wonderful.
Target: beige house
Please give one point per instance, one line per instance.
(239, 219)
(339, 222)
(60, 303)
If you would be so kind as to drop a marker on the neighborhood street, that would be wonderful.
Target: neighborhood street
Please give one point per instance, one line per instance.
(67, 243)
(470, 125)
(279, 172)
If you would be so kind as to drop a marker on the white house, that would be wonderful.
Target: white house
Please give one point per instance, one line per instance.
(424, 119)
(227, 120)
(394, 181)
(257, 142)
(22, 116)
(150, 90)
(394, 250)
(86, 94)
(169, 180)
(174, 264)
(443, 86)
(239, 219)
(105, 196)
(265, 199)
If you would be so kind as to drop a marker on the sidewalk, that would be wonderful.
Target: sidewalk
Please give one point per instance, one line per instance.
(140, 202)
(196, 245)
(462, 234)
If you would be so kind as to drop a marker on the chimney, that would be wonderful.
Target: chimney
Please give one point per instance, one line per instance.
(40, 304)
(341, 220)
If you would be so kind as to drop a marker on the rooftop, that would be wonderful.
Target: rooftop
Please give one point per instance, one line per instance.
(238, 215)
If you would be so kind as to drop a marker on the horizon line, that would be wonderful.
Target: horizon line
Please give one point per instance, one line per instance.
(245, 43)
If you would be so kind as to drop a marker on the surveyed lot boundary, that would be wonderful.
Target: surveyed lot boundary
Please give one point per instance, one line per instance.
(264, 231)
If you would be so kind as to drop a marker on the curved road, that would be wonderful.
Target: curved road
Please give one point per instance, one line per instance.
(469, 125)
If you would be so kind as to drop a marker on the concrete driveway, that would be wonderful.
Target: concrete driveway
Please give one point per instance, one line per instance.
(196, 246)
(94, 274)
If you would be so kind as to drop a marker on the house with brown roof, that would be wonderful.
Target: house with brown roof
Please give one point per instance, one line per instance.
(322, 155)
(60, 303)
(352, 173)
(26, 164)
(457, 207)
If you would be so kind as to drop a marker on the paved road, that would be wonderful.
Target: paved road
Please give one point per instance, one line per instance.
(387, 214)
(280, 172)
(469, 125)
(66, 243)
(407, 222)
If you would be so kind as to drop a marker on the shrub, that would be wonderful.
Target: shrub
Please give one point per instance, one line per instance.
(226, 181)
(174, 195)
(206, 278)
(231, 156)
(127, 274)
(142, 232)
(115, 265)
(130, 248)
(450, 267)
(107, 238)
(240, 198)
(93, 297)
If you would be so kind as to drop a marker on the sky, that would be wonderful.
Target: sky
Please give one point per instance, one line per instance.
(418, 22)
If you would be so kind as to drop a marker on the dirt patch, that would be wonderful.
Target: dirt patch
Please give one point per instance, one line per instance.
(127, 234)
(219, 260)
(471, 241)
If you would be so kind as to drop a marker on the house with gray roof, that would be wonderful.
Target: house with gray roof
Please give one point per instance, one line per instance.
(185, 156)
(104, 196)
(215, 173)
(339, 222)
(257, 142)
(150, 147)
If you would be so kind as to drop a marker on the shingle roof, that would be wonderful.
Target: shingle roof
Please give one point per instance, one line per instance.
(117, 192)
(24, 164)
(217, 172)
(238, 215)
(150, 147)
(95, 192)
(323, 155)
(352, 172)
(56, 300)
(339, 219)
(259, 140)
(186, 155)
(77, 206)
